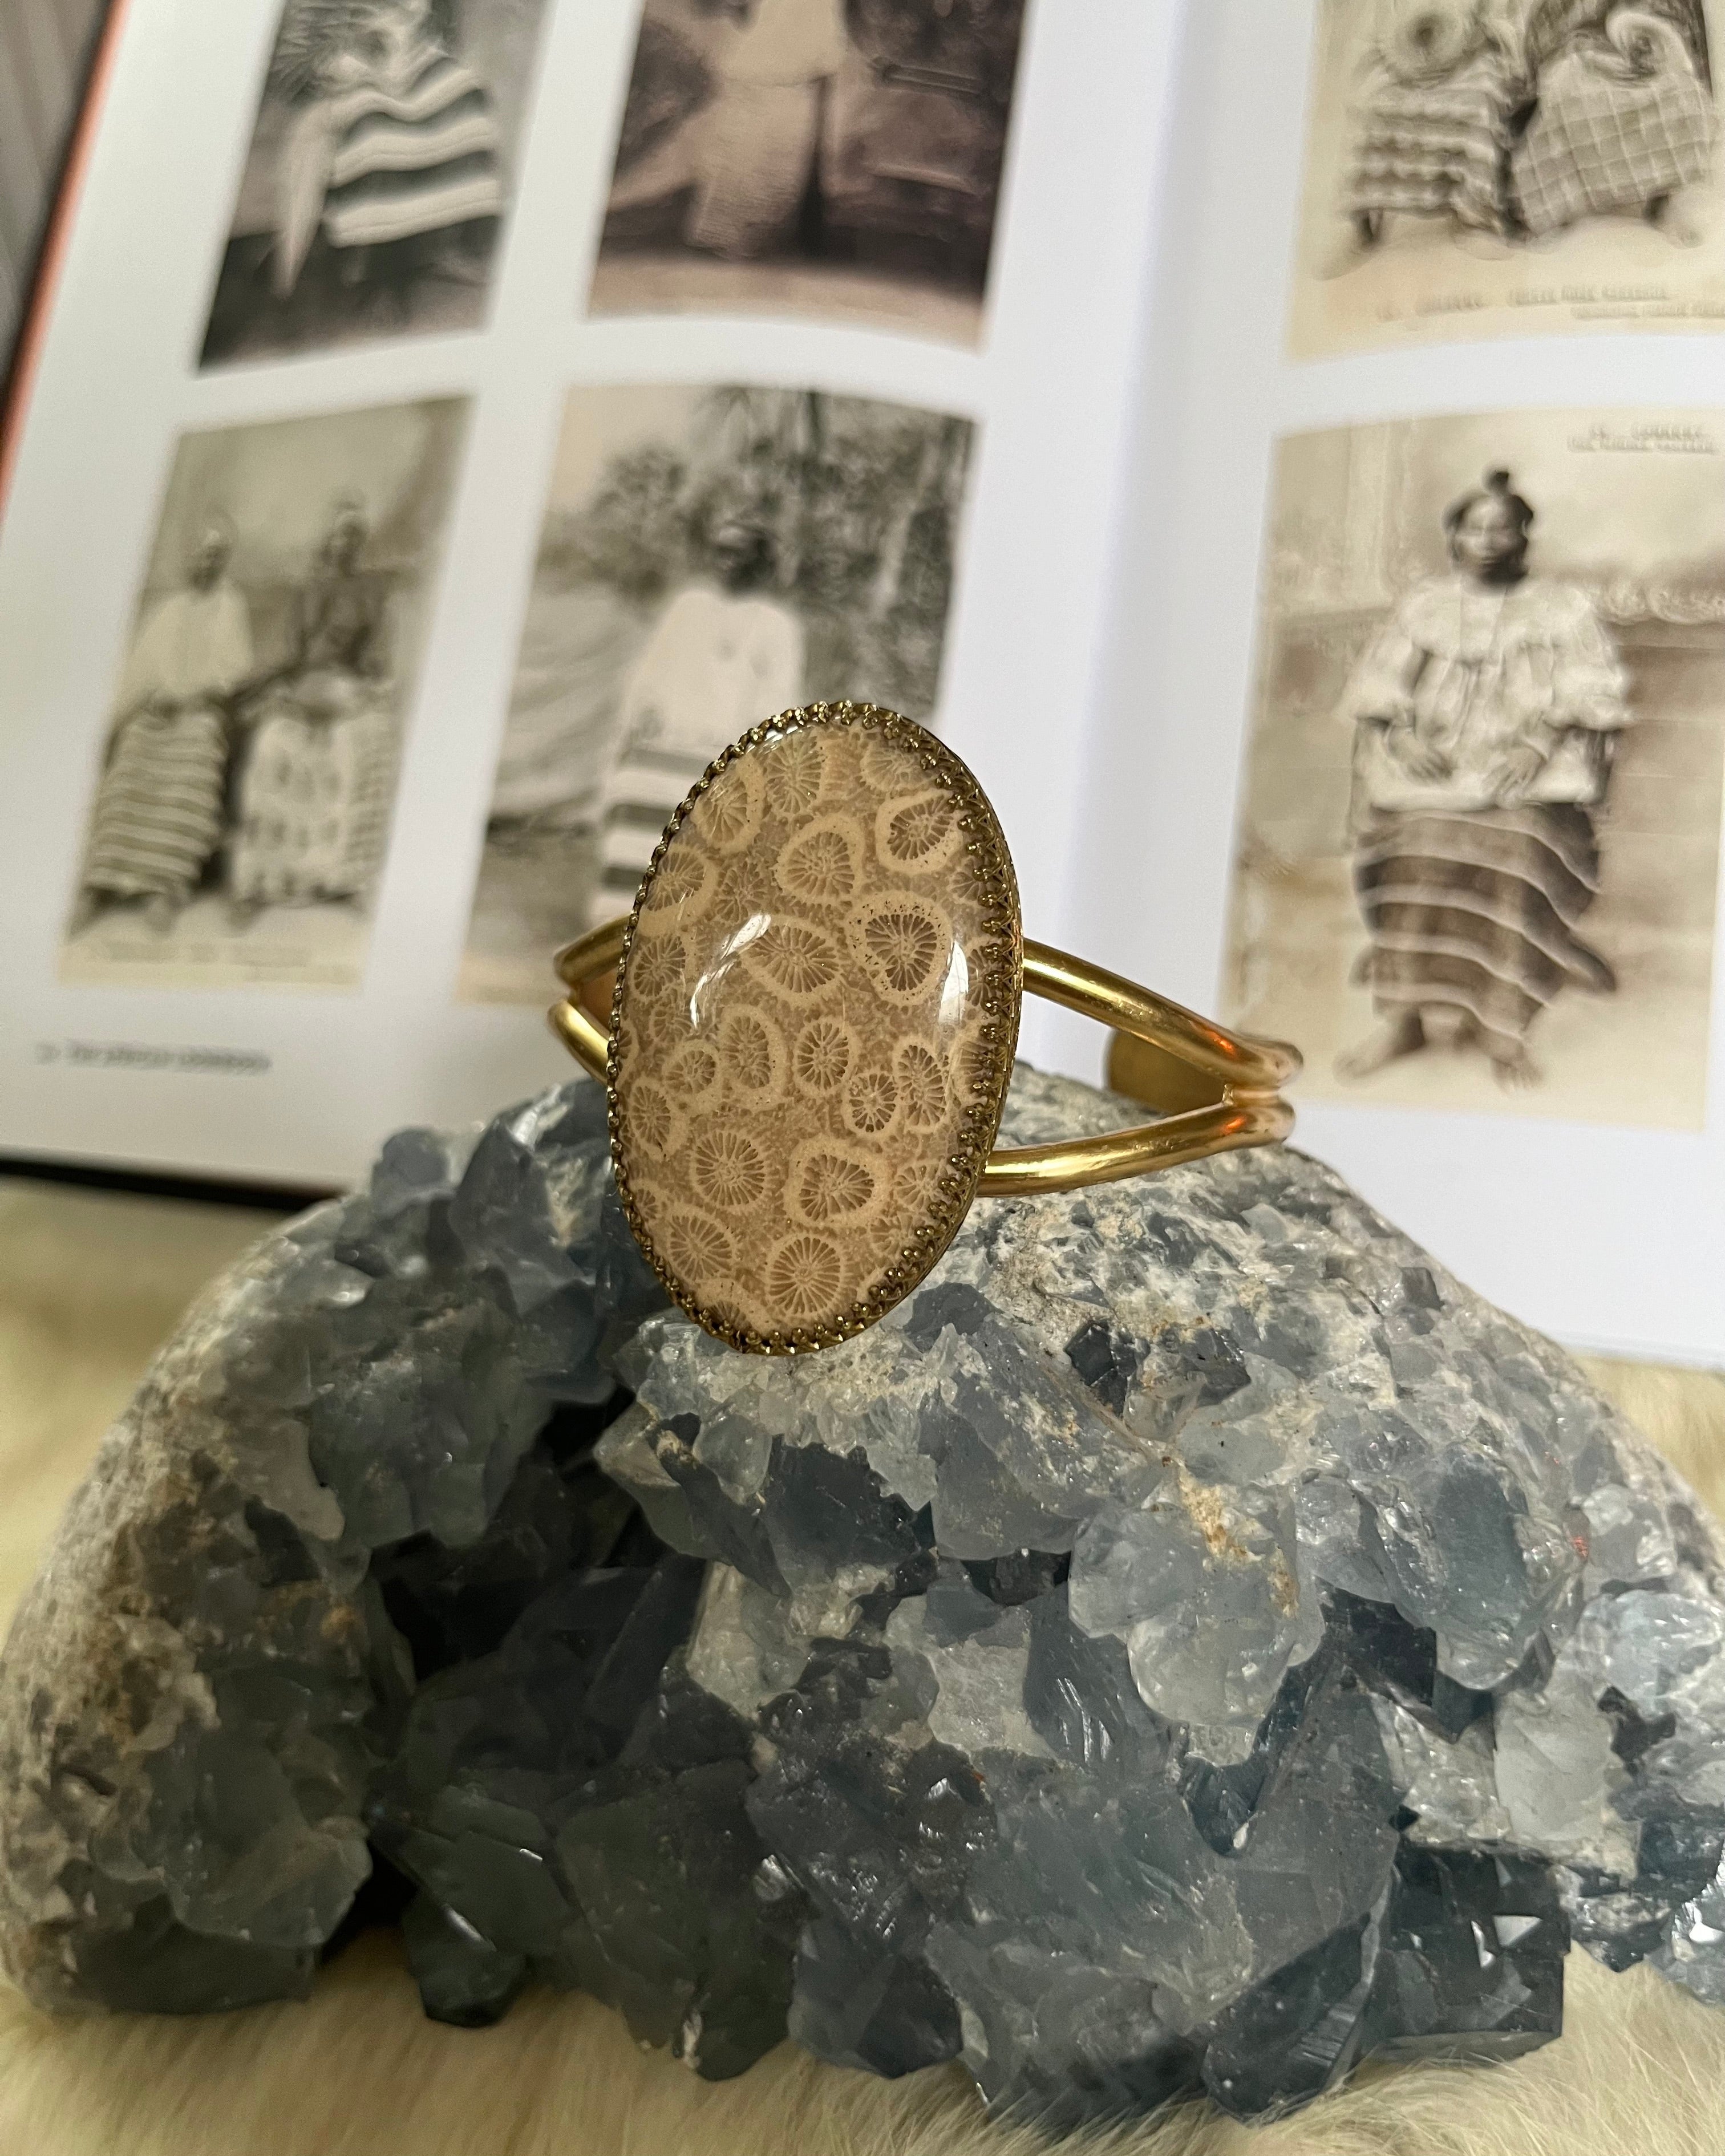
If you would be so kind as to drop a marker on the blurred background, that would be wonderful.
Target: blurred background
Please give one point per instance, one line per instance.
(45, 51)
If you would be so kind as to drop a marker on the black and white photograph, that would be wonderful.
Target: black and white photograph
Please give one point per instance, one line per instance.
(833, 159)
(247, 765)
(1478, 856)
(378, 176)
(1511, 167)
(709, 556)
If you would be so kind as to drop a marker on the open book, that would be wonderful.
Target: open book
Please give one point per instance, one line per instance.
(1279, 444)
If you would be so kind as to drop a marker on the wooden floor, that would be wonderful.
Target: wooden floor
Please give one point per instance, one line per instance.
(88, 1284)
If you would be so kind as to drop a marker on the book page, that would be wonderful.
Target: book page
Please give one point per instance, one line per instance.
(1414, 747)
(1509, 168)
(455, 422)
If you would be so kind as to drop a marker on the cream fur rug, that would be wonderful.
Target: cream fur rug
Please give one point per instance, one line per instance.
(87, 1285)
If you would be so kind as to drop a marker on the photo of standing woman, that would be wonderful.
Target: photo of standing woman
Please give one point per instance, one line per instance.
(836, 159)
(379, 174)
(1478, 852)
(1486, 713)
(726, 651)
(709, 556)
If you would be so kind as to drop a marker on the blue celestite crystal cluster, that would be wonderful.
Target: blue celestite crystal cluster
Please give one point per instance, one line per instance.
(1191, 1644)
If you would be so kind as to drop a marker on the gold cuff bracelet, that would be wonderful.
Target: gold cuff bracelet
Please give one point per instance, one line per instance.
(813, 1008)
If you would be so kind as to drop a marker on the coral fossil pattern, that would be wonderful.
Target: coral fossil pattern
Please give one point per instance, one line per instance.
(815, 1025)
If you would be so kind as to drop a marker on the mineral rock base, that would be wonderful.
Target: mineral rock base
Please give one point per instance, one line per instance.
(1191, 1645)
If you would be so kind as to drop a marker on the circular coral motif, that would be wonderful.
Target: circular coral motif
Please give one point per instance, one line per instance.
(904, 942)
(730, 1170)
(803, 1278)
(677, 894)
(823, 863)
(693, 1074)
(871, 1101)
(658, 1124)
(919, 833)
(659, 965)
(832, 1185)
(922, 1086)
(803, 1094)
(752, 1056)
(917, 1184)
(823, 1054)
(798, 960)
(727, 819)
(797, 774)
(744, 900)
(698, 1245)
(883, 767)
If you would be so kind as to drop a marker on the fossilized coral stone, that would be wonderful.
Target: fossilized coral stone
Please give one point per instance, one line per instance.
(814, 1026)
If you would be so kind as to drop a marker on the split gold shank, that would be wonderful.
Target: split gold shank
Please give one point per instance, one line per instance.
(1222, 1090)
(588, 963)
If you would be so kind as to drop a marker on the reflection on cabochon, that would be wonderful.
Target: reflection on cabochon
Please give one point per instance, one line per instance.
(814, 1026)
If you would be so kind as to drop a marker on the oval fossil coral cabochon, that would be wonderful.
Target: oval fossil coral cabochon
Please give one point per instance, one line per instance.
(813, 1026)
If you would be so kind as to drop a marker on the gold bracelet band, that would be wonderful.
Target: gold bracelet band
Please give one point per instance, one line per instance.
(1216, 1090)
(806, 1030)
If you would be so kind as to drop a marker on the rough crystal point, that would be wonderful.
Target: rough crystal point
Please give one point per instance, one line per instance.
(1191, 1644)
(815, 1027)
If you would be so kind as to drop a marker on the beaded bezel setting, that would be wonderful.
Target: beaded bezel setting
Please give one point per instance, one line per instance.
(981, 878)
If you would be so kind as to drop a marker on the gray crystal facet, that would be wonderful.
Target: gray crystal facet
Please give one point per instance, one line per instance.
(1192, 1644)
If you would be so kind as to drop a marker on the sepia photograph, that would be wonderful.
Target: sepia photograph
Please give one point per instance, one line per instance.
(1483, 168)
(710, 556)
(378, 176)
(247, 771)
(839, 160)
(1478, 852)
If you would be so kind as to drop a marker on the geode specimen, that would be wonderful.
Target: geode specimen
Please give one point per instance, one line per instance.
(1191, 1644)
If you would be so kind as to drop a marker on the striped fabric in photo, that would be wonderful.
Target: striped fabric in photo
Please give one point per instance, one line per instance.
(1476, 910)
(419, 161)
(641, 794)
(1433, 149)
(158, 812)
